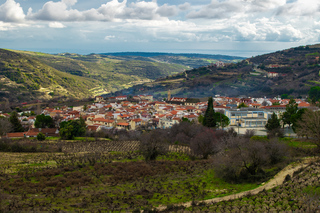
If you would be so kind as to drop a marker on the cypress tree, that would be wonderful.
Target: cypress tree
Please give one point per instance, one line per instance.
(16, 124)
(209, 116)
(273, 123)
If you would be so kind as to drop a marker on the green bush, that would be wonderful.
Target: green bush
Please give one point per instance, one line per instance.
(41, 136)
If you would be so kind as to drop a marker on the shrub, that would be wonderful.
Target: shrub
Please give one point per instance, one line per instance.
(41, 136)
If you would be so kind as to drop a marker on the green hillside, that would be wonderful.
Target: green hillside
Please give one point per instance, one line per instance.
(24, 78)
(32, 76)
(297, 69)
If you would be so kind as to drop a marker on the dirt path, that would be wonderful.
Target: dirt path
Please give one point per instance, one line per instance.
(277, 180)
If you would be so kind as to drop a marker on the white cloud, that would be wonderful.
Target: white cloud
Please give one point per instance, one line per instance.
(109, 37)
(11, 11)
(56, 25)
(111, 11)
(5, 26)
(69, 2)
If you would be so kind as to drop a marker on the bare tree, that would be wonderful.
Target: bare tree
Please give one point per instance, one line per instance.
(309, 126)
(205, 143)
(249, 133)
(241, 161)
(153, 144)
(5, 126)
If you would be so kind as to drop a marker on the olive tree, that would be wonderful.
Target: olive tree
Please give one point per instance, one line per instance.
(153, 144)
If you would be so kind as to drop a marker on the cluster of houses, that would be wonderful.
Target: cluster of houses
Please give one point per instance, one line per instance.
(143, 112)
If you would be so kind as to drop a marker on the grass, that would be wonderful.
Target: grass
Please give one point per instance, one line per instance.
(301, 144)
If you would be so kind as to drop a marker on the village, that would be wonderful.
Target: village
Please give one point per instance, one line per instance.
(144, 113)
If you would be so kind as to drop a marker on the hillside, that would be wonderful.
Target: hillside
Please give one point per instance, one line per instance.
(30, 76)
(295, 71)
(24, 78)
(191, 60)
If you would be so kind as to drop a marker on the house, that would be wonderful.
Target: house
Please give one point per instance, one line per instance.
(98, 99)
(178, 101)
(273, 74)
(134, 123)
(123, 125)
(48, 132)
(218, 64)
(273, 66)
(15, 135)
(165, 123)
(93, 128)
(103, 121)
(121, 98)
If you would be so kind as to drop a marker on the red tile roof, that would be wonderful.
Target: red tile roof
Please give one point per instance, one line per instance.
(16, 135)
(122, 124)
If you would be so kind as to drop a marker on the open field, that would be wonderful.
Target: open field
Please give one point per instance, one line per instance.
(112, 176)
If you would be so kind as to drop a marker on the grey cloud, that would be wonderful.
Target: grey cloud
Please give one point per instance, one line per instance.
(167, 11)
(217, 10)
(185, 6)
(264, 5)
(299, 8)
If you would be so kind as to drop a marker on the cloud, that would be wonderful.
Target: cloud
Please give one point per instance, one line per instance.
(265, 5)
(218, 10)
(167, 11)
(300, 8)
(56, 25)
(11, 11)
(109, 37)
(141, 10)
(69, 2)
(56, 11)
(111, 11)
(185, 6)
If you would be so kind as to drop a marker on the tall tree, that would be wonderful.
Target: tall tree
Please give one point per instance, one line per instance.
(221, 120)
(314, 93)
(209, 119)
(291, 110)
(273, 123)
(72, 128)
(43, 121)
(16, 124)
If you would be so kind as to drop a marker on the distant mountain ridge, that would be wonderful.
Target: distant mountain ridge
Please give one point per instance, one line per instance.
(292, 71)
(192, 60)
(189, 55)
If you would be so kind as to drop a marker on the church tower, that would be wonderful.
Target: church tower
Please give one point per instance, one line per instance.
(169, 95)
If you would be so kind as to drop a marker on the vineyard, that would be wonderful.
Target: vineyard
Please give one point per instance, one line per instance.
(301, 193)
(105, 175)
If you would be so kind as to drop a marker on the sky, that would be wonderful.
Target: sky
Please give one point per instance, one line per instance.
(229, 27)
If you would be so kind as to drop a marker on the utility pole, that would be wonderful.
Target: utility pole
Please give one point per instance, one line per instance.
(238, 120)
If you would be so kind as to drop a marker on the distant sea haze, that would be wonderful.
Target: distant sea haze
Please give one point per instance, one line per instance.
(244, 53)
